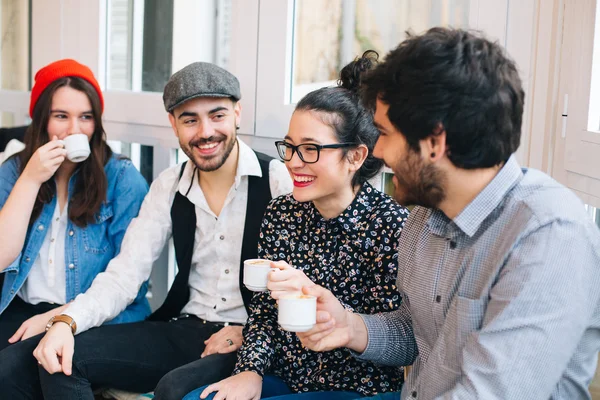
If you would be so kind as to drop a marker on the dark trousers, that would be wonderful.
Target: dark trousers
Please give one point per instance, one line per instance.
(15, 314)
(133, 357)
(274, 388)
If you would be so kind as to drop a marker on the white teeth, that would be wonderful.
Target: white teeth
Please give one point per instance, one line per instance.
(303, 178)
(208, 146)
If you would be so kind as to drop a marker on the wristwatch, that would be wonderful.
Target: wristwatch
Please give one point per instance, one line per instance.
(62, 318)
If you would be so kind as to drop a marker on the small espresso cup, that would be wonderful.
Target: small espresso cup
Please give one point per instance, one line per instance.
(77, 146)
(297, 313)
(256, 274)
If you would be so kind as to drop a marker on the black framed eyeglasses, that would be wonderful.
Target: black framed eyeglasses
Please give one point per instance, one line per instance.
(308, 152)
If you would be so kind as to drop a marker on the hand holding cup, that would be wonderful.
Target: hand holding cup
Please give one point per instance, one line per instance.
(45, 161)
(286, 280)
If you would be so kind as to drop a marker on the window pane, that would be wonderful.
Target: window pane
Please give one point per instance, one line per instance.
(14, 45)
(594, 112)
(594, 214)
(142, 156)
(148, 40)
(330, 33)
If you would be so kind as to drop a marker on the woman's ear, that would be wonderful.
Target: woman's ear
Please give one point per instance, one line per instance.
(357, 156)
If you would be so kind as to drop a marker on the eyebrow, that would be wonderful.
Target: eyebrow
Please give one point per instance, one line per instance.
(187, 114)
(194, 114)
(304, 139)
(378, 126)
(66, 112)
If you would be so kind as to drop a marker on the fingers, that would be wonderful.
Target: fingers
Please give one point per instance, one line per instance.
(282, 265)
(229, 349)
(219, 346)
(327, 326)
(67, 359)
(48, 359)
(323, 316)
(323, 332)
(211, 388)
(281, 275)
(18, 334)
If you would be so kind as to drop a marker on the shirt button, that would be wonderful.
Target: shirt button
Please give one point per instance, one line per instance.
(226, 271)
(12, 292)
(223, 298)
(71, 266)
(57, 219)
(452, 244)
(71, 233)
(41, 228)
(438, 298)
(52, 240)
(414, 393)
(222, 237)
(50, 261)
(27, 259)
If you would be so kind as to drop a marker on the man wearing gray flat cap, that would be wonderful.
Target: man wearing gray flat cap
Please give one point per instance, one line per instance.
(193, 337)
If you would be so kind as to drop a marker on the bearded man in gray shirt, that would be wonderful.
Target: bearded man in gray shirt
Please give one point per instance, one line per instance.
(499, 266)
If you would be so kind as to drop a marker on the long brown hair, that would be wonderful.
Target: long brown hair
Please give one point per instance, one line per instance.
(91, 183)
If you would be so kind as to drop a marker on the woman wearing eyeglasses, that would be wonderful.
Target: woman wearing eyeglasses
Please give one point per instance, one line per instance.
(334, 230)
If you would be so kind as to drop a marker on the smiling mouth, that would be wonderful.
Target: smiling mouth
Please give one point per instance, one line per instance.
(304, 179)
(208, 146)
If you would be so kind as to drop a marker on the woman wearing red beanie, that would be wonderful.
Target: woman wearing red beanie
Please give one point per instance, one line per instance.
(61, 221)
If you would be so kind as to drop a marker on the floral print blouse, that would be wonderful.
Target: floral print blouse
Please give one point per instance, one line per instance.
(354, 256)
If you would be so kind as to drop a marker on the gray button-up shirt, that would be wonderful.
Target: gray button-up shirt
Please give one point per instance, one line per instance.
(501, 302)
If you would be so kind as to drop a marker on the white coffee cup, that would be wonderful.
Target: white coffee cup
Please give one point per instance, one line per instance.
(77, 146)
(297, 313)
(256, 274)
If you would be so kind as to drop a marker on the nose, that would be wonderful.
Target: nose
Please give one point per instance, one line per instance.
(73, 126)
(206, 130)
(295, 161)
(377, 150)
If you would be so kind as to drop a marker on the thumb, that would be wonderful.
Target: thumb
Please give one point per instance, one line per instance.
(67, 359)
(18, 334)
(318, 291)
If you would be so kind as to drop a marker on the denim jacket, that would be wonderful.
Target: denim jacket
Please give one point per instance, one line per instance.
(87, 250)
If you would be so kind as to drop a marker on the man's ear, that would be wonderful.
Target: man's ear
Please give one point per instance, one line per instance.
(173, 124)
(434, 147)
(237, 110)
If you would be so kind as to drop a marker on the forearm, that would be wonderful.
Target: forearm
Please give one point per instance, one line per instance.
(14, 219)
(259, 337)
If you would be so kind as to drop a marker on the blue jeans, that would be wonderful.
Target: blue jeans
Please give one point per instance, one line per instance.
(274, 388)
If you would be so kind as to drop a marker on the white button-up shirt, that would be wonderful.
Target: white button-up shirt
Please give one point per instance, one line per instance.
(46, 282)
(214, 274)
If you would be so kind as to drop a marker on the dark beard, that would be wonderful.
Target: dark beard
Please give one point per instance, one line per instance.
(212, 165)
(422, 183)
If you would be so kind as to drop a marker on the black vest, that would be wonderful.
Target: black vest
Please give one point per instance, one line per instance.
(183, 217)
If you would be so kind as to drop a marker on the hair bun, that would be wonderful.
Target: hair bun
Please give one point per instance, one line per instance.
(350, 75)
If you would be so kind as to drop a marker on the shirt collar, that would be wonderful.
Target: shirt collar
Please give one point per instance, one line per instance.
(471, 217)
(248, 165)
(352, 219)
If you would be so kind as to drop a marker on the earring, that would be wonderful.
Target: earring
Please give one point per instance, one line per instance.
(432, 155)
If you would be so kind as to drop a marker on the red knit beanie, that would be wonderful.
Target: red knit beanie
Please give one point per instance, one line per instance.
(60, 69)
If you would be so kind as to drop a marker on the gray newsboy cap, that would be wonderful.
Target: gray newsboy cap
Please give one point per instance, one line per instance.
(200, 79)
